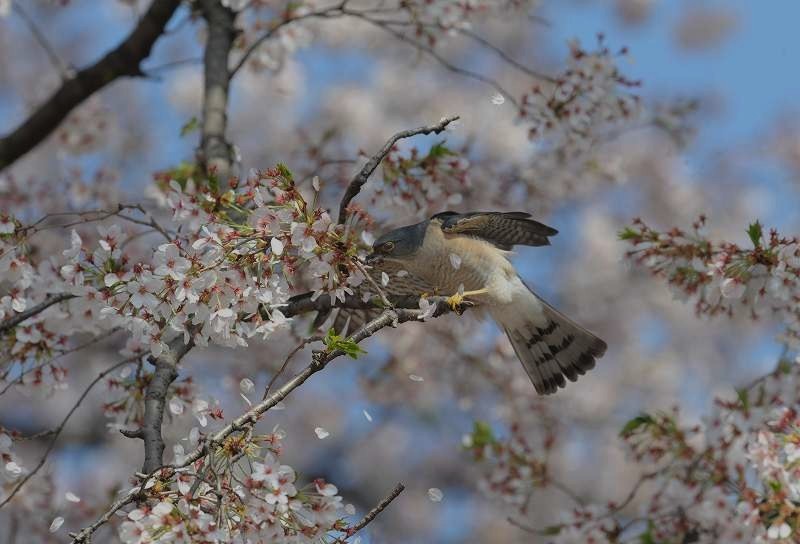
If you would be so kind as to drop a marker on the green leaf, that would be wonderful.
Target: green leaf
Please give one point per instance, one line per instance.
(755, 232)
(641, 420)
(440, 150)
(183, 172)
(552, 530)
(190, 126)
(647, 536)
(482, 434)
(628, 233)
(335, 342)
(284, 170)
(744, 397)
(785, 366)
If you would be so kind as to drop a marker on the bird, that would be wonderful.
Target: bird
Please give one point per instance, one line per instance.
(465, 256)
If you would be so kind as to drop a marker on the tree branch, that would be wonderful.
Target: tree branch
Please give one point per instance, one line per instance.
(366, 171)
(61, 426)
(12, 322)
(124, 60)
(438, 57)
(304, 303)
(329, 12)
(215, 150)
(155, 399)
(63, 69)
(372, 514)
(320, 360)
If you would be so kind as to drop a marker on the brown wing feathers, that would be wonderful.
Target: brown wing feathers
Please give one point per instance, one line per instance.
(503, 229)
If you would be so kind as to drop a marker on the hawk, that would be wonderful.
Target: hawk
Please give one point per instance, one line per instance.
(465, 255)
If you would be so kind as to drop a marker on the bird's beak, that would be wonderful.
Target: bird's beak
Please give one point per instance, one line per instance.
(373, 259)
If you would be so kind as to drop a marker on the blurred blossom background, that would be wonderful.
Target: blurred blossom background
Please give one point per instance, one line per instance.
(718, 134)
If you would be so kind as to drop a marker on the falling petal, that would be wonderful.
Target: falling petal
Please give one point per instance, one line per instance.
(435, 494)
(246, 385)
(56, 524)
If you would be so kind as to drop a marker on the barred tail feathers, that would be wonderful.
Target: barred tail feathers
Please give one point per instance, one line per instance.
(551, 347)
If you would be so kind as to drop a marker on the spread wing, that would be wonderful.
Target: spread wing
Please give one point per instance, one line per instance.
(400, 283)
(503, 229)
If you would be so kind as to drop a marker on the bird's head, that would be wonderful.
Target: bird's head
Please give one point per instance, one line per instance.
(398, 245)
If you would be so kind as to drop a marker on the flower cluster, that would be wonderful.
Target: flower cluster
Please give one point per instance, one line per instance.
(222, 276)
(224, 280)
(457, 14)
(85, 129)
(419, 183)
(732, 478)
(236, 493)
(517, 465)
(724, 278)
(587, 99)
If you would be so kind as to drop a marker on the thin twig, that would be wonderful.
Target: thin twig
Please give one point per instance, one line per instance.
(439, 58)
(63, 69)
(292, 353)
(363, 175)
(61, 426)
(327, 12)
(20, 379)
(372, 514)
(505, 56)
(12, 322)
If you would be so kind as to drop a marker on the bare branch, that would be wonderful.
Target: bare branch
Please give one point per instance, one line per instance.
(85, 534)
(64, 70)
(328, 12)
(305, 303)
(12, 322)
(155, 400)
(372, 514)
(363, 175)
(320, 359)
(20, 379)
(505, 56)
(124, 60)
(215, 150)
(436, 56)
(61, 426)
(292, 353)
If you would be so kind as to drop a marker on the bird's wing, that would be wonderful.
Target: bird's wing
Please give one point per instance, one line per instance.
(503, 229)
(400, 283)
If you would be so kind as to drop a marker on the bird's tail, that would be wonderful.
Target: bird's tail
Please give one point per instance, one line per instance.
(550, 346)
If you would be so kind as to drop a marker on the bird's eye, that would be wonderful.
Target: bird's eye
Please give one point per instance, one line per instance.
(388, 247)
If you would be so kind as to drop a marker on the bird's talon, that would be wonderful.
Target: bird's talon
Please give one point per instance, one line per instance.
(455, 302)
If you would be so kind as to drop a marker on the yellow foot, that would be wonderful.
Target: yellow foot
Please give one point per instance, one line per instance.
(457, 302)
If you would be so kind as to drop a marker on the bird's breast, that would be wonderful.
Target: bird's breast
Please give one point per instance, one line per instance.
(448, 262)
